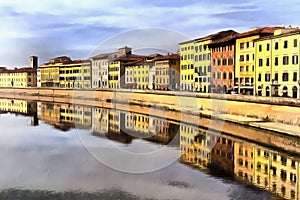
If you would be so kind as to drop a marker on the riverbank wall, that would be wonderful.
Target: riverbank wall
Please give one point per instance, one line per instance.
(249, 108)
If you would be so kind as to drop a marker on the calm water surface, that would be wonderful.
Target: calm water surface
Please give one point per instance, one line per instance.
(61, 151)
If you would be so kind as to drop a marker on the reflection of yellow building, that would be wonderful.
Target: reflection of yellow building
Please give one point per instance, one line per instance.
(50, 113)
(277, 64)
(267, 169)
(114, 121)
(11, 105)
(79, 116)
(244, 161)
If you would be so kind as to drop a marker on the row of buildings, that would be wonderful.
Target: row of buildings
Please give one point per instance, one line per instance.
(274, 170)
(262, 61)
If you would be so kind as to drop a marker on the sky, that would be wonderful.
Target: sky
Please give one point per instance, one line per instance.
(75, 28)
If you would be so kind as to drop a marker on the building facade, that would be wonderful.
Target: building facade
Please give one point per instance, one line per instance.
(277, 64)
(187, 55)
(223, 57)
(167, 72)
(100, 68)
(245, 59)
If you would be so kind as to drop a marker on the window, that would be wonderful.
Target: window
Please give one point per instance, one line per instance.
(260, 61)
(208, 68)
(276, 61)
(285, 77)
(276, 45)
(268, 47)
(285, 60)
(247, 44)
(224, 62)
(295, 76)
(276, 76)
(295, 60)
(283, 175)
(224, 75)
(247, 57)
(241, 68)
(259, 77)
(219, 62)
(230, 61)
(242, 46)
(267, 77)
(260, 47)
(295, 42)
(268, 62)
(230, 75)
(241, 57)
(285, 44)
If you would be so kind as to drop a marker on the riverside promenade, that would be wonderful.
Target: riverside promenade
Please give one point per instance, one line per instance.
(275, 114)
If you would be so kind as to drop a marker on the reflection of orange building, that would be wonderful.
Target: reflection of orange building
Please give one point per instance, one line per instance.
(222, 154)
(223, 56)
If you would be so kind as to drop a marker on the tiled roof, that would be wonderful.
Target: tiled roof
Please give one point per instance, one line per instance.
(167, 57)
(228, 38)
(18, 70)
(214, 36)
(259, 31)
(109, 56)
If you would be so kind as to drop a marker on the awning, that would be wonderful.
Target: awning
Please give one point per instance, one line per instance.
(130, 84)
(246, 87)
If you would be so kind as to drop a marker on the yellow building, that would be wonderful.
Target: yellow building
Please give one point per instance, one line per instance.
(187, 53)
(49, 72)
(65, 73)
(202, 65)
(142, 75)
(22, 77)
(116, 69)
(277, 64)
(167, 72)
(245, 58)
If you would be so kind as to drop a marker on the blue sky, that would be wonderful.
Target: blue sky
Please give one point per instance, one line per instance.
(76, 27)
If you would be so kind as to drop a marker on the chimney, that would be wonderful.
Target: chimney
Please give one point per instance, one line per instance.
(33, 61)
(125, 50)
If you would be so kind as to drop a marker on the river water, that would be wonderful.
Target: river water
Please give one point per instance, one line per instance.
(61, 151)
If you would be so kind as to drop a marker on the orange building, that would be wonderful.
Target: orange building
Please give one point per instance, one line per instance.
(223, 56)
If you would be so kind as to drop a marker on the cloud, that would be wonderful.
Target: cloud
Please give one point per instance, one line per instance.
(73, 24)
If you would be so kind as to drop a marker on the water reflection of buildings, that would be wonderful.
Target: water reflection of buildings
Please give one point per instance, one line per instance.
(203, 149)
(271, 170)
(65, 116)
(20, 107)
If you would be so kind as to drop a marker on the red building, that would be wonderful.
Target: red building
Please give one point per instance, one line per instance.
(223, 56)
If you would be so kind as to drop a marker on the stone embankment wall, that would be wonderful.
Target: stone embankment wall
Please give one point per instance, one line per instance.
(284, 110)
